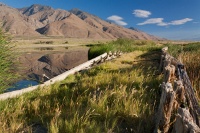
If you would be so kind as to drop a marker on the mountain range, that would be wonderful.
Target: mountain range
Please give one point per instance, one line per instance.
(39, 20)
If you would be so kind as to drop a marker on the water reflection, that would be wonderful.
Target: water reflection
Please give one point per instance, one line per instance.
(22, 84)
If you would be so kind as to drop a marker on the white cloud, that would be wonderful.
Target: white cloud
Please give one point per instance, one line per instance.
(180, 22)
(152, 21)
(162, 24)
(141, 13)
(121, 23)
(159, 21)
(117, 20)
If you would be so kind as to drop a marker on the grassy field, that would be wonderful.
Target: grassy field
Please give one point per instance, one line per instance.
(117, 96)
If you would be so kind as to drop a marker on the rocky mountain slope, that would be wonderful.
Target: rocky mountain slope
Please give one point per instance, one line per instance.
(14, 22)
(38, 20)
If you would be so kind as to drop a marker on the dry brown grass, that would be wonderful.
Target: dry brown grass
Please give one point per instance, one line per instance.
(191, 60)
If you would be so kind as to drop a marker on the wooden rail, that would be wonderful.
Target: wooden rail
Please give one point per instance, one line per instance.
(178, 111)
(87, 65)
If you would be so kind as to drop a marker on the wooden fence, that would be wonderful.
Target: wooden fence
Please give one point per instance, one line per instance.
(87, 65)
(178, 111)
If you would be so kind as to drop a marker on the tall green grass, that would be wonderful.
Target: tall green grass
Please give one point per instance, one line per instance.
(124, 45)
(176, 49)
(7, 59)
(113, 97)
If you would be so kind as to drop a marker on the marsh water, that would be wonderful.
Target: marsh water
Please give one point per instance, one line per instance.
(22, 84)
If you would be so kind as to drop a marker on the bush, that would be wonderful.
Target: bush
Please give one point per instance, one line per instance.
(44, 48)
(66, 42)
(44, 42)
(7, 74)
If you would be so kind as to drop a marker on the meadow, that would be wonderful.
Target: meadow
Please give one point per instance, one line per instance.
(121, 95)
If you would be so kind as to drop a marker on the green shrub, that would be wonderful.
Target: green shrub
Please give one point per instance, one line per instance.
(7, 74)
(66, 42)
(44, 48)
(44, 42)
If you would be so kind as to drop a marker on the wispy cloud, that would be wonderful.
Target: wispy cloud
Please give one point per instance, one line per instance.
(141, 13)
(152, 21)
(180, 22)
(117, 20)
(159, 21)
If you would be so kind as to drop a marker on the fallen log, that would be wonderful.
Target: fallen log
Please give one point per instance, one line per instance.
(51, 81)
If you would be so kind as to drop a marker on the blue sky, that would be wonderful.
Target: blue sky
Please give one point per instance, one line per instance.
(172, 19)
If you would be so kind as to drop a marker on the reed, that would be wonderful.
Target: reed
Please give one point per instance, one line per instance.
(7, 62)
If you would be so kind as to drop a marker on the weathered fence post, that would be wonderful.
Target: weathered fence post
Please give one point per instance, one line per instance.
(178, 110)
(184, 122)
(165, 107)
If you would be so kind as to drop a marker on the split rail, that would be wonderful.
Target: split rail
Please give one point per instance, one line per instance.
(178, 111)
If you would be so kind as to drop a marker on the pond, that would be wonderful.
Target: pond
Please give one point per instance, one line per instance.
(22, 84)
